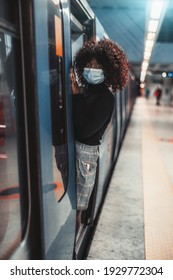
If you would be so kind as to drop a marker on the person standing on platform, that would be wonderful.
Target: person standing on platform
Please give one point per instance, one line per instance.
(147, 92)
(99, 68)
(158, 94)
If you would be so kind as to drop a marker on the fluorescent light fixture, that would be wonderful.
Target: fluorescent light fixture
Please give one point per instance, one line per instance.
(144, 64)
(149, 43)
(143, 75)
(156, 13)
(142, 78)
(148, 49)
(152, 26)
(143, 72)
(151, 35)
(156, 9)
(147, 55)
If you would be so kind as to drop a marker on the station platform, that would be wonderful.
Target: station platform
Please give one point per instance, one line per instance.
(136, 221)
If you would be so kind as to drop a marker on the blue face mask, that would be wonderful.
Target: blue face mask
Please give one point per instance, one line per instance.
(93, 76)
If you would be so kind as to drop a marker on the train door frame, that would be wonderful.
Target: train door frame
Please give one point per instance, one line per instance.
(83, 23)
(57, 222)
(35, 233)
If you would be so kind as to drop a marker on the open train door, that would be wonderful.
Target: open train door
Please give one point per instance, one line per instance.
(46, 59)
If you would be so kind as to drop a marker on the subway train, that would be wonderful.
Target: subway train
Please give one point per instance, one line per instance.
(38, 39)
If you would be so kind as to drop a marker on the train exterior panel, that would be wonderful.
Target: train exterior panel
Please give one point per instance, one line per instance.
(38, 39)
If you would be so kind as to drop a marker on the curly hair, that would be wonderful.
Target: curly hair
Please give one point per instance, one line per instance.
(108, 54)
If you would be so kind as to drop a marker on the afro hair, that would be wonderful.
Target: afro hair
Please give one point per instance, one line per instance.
(108, 54)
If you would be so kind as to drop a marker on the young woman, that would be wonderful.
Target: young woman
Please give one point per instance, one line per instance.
(100, 68)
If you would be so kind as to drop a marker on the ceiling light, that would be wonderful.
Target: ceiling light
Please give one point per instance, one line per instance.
(148, 49)
(142, 85)
(149, 43)
(145, 64)
(151, 35)
(156, 9)
(152, 26)
(142, 78)
(164, 74)
(147, 55)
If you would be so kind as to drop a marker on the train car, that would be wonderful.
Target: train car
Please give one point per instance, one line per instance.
(38, 39)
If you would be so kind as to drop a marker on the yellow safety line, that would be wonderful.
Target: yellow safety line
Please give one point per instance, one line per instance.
(158, 196)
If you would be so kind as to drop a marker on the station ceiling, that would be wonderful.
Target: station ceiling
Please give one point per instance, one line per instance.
(125, 22)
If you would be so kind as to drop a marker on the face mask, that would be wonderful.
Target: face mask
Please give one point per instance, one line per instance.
(93, 76)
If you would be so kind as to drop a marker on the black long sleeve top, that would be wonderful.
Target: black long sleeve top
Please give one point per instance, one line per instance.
(92, 113)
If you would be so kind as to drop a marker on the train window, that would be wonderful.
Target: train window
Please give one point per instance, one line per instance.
(77, 34)
(58, 101)
(10, 217)
(9, 11)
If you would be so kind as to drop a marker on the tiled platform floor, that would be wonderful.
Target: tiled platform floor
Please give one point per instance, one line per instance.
(136, 221)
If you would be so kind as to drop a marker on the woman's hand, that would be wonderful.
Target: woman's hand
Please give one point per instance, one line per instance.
(74, 86)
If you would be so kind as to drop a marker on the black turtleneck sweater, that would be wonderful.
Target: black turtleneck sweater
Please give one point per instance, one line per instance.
(92, 113)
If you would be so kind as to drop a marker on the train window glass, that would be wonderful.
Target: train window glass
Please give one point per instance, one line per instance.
(10, 218)
(77, 35)
(9, 11)
(58, 102)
